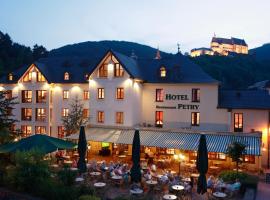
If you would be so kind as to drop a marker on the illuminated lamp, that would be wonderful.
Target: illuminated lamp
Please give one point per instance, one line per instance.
(110, 65)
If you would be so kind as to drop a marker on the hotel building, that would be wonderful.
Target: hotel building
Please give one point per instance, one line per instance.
(170, 100)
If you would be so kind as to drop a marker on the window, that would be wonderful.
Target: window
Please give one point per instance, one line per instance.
(8, 94)
(86, 95)
(118, 70)
(27, 77)
(162, 72)
(249, 159)
(159, 118)
(41, 96)
(61, 132)
(216, 156)
(196, 95)
(119, 93)
(101, 93)
(159, 95)
(26, 114)
(100, 117)
(103, 71)
(26, 130)
(66, 76)
(119, 118)
(65, 112)
(65, 94)
(40, 114)
(238, 122)
(10, 77)
(165, 151)
(85, 113)
(26, 96)
(195, 119)
(40, 77)
(40, 129)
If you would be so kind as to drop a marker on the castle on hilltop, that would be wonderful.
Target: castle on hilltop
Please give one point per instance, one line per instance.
(222, 46)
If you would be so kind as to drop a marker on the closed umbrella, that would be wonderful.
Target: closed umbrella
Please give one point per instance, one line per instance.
(41, 142)
(202, 165)
(135, 171)
(82, 146)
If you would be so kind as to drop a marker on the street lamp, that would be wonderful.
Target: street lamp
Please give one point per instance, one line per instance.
(179, 158)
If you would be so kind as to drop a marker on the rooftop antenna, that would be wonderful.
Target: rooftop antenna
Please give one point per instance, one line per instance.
(178, 48)
(158, 56)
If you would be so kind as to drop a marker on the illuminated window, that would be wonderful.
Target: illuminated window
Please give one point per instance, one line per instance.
(40, 77)
(159, 95)
(26, 96)
(66, 76)
(10, 77)
(86, 95)
(40, 129)
(103, 71)
(40, 114)
(195, 118)
(100, 117)
(61, 132)
(119, 93)
(26, 130)
(27, 77)
(162, 72)
(159, 118)
(8, 94)
(165, 151)
(195, 95)
(65, 94)
(101, 93)
(238, 122)
(216, 156)
(26, 114)
(119, 117)
(249, 159)
(85, 113)
(41, 96)
(118, 70)
(65, 112)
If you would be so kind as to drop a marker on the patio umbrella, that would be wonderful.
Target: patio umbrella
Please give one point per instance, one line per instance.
(202, 165)
(82, 146)
(135, 171)
(43, 143)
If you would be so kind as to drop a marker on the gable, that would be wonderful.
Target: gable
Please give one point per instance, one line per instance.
(32, 74)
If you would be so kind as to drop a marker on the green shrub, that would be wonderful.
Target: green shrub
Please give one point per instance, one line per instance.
(66, 176)
(88, 197)
(230, 176)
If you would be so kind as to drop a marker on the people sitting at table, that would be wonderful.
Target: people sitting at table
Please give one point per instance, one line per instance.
(59, 156)
(210, 183)
(74, 163)
(103, 166)
(147, 175)
(164, 179)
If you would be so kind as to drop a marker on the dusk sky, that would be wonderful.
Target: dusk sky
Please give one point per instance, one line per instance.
(54, 23)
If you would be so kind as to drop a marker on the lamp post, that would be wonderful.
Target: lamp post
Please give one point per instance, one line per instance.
(179, 158)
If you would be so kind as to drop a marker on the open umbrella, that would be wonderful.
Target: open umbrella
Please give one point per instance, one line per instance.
(202, 165)
(82, 146)
(135, 171)
(44, 143)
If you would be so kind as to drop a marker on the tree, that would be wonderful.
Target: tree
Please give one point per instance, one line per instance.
(75, 118)
(39, 52)
(6, 118)
(235, 151)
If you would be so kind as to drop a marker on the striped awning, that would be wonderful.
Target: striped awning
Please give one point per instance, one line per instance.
(216, 142)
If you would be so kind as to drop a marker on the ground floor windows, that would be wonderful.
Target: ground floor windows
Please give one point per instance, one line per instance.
(26, 130)
(40, 129)
(238, 122)
(159, 95)
(26, 114)
(165, 151)
(119, 118)
(159, 119)
(195, 118)
(216, 156)
(249, 159)
(100, 117)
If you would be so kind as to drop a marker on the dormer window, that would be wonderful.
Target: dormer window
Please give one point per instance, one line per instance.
(10, 77)
(66, 76)
(162, 72)
(103, 71)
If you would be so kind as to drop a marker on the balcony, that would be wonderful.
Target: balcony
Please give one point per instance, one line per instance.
(26, 100)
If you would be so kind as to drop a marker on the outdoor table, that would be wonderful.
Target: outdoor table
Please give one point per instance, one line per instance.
(115, 177)
(95, 173)
(136, 191)
(220, 195)
(79, 179)
(122, 156)
(73, 169)
(178, 187)
(68, 162)
(151, 182)
(169, 196)
(195, 175)
(99, 185)
(213, 167)
(186, 179)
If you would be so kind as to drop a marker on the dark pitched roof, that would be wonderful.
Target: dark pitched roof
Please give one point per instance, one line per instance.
(244, 99)
(201, 48)
(229, 41)
(262, 85)
(178, 67)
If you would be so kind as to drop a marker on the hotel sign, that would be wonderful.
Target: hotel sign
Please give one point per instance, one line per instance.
(178, 97)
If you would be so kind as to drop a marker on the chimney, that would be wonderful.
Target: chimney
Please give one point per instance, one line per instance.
(158, 56)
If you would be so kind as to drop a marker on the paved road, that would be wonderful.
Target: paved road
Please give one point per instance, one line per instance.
(263, 192)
